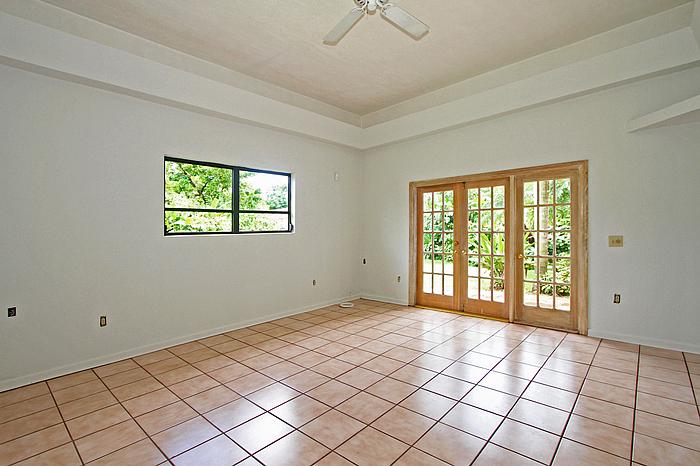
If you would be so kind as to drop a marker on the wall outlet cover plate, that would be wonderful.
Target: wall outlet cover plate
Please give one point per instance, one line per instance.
(615, 241)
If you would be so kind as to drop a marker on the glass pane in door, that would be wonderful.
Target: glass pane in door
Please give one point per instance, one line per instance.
(486, 243)
(546, 247)
(438, 242)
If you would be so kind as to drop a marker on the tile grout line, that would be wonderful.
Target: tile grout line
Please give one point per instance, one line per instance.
(359, 316)
(333, 408)
(394, 405)
(475, 385)
(276, 381)
(225, 433)
(634, 410)
(265, 411)
(692, 386)
(664, 416)
(130, 418)
(573, 407)
(64, 425)
(489, 371)
(119, 402)
(33, 431)
(240, 362)
(596, 420)
(488, 441)
(334, 450)
(356, 366)
(179, 399)
(407, 396)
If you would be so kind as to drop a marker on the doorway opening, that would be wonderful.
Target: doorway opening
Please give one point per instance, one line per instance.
(509, 245)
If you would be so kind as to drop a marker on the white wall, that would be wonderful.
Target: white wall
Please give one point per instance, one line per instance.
(642, 185)
(695, 22)
(81, 228)
(81, 218)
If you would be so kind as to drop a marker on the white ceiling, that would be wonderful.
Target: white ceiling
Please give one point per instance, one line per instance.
(375, 66)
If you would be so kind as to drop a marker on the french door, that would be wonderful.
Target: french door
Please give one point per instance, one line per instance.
(547, 249)
(486, 247)
(438, 262)
(508, 245)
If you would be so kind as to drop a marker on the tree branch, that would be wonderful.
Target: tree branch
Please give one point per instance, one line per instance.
(194, 185)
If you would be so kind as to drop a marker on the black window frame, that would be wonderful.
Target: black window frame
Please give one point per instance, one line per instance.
(235, 209)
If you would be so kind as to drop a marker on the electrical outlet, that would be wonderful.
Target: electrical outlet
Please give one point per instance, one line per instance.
(313, 282)
(364, 261)
(11, 312)
(398, 279)
(617, 298)
(615, 241)
(103, 321)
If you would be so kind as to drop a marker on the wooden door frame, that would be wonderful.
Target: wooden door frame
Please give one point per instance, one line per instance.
(581, 166)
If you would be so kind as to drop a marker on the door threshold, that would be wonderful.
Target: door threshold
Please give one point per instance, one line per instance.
(550, 327)
(462, 313)
(497, 319)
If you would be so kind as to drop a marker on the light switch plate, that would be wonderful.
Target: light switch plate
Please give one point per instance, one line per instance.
(615, 241)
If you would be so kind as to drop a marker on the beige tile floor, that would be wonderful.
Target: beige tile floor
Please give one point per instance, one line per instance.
(378, 384)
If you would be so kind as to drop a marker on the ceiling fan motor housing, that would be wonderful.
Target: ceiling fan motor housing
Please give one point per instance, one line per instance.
(371, 5)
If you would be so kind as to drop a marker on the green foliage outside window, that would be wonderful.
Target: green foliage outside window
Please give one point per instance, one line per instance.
(193, 186)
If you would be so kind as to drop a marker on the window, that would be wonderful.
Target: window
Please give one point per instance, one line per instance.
(211, 198)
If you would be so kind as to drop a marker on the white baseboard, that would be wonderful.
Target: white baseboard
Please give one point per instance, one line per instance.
(647, 341)
(401, 302)
(9, 384)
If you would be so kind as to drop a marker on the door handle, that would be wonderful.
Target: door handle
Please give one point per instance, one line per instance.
(520, 256)
(464, 252)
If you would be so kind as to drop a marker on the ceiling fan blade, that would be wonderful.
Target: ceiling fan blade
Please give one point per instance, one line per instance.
(405, 21)
(343, 27)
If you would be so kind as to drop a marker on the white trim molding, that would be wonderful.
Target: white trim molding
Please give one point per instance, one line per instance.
(40, 49)
(32, 45)
(695, 22)
(639, 340)
(385, 299)
(687, 111)
(665, 53)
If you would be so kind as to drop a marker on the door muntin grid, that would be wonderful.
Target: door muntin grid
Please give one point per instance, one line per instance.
(438, 242)
(486, 243)
(547, 242)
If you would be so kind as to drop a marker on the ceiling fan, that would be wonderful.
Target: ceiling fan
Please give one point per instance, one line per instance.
(395, 15)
